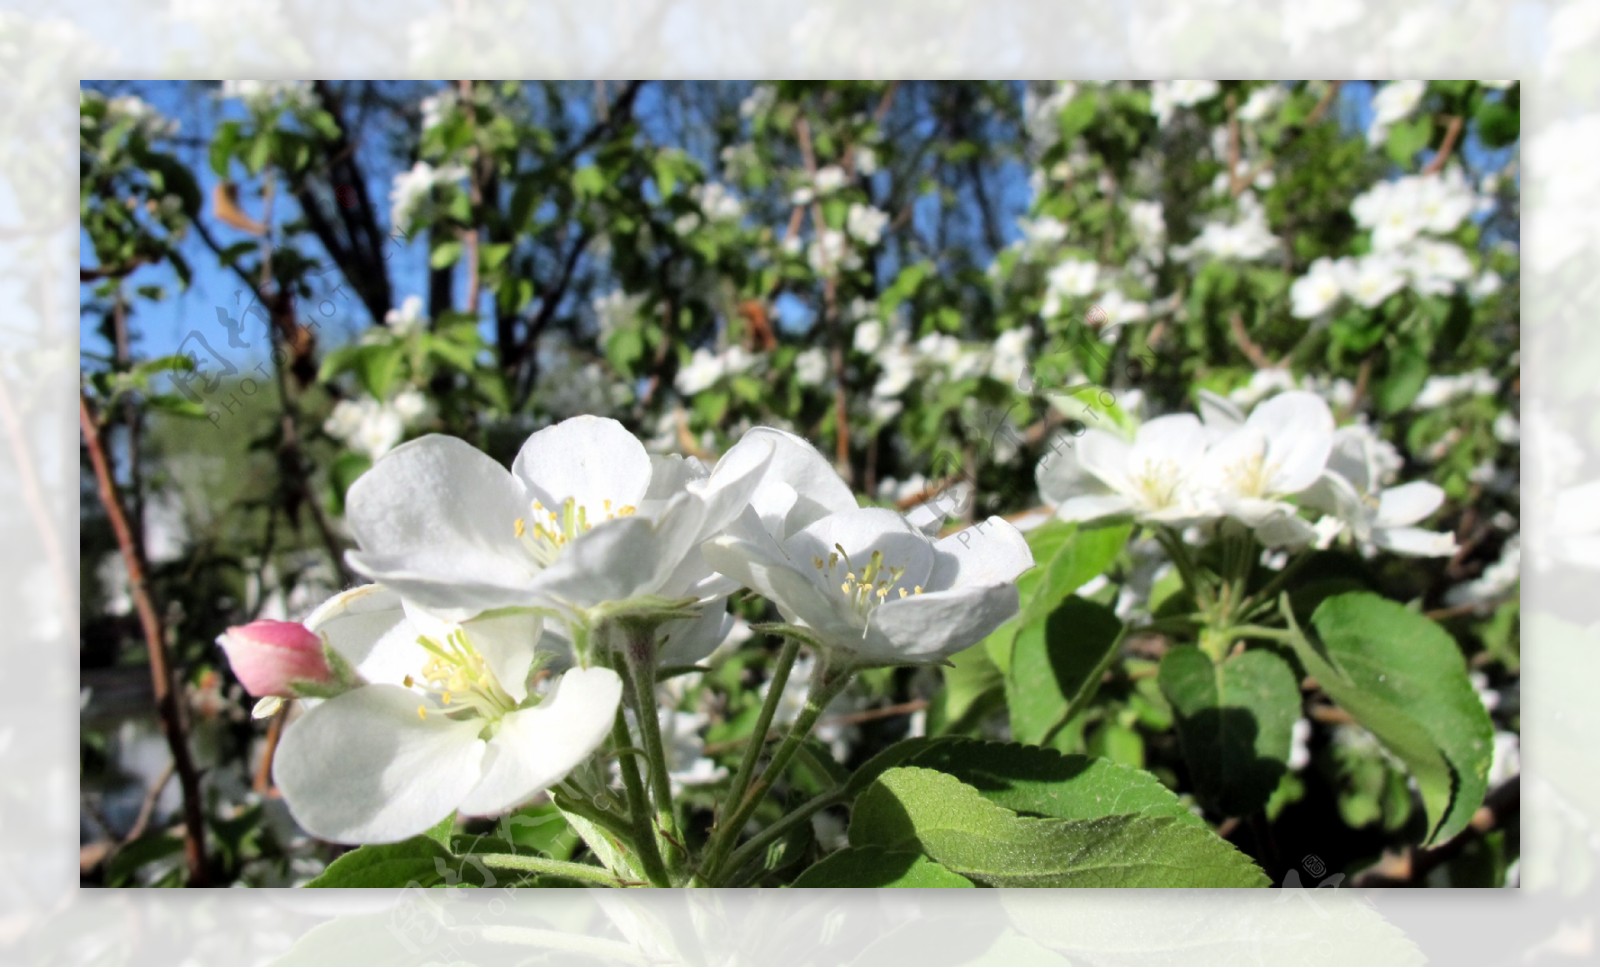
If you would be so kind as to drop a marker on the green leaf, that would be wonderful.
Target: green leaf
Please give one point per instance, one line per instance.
(1408, 371)
(1235, 721)
(1056, 666)
(1041, 782)
(445, 254)
(1065, 556)
(420, 861)
(911, 808)
(1409, 137)
(877, 867)
(1403, 677)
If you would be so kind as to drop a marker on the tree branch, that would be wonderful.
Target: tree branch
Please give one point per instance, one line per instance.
(161, 678)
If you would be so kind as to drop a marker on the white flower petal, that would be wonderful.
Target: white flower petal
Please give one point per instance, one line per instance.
(367, 626)
(434, 521)
(363, 767)
(934, 625)
(987, 553)
(535, 748)
(799, 485)
(1416, 542)
(861, 532)
(1299, 429)
(588, 459)
(1093, 507)
(1407, 504)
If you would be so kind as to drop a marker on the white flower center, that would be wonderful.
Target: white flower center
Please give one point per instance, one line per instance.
(1251, 475)
(869, 587)
(459, 680)
(1157, 482)
(545, 532)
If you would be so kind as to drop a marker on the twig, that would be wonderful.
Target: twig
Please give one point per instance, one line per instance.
(147, 807)
(166, 696)
(1447, 146)
(1252, 352)
(830, 318)
(262, 783)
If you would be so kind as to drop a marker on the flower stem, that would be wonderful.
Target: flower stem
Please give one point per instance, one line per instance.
(769, 709)
(639, 656)
(643, 837)
(794, 818)
(826, 683)
(567, 870)
(1181, 559)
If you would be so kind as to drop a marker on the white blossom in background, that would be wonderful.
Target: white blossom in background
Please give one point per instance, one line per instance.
(1394, 102)
(866, 161)
(408, 319)
(1070, 279)
(865, 224)
(1009, 364)
(616, 310)
(1149, 225)
(265, 95)
(868, 336)
(1400, 210)
(1436, 268)
(717, 203)
(1041, 234)
(899, 369)
(1317, 291)
(811, 367)
(1442, 389)
(436, 107)
(702, 371)
(830, 251)
(1167, 96)
(1261, 103)
(1118, 310)
(1041, 114)
(1496, 582)
(758, 102)
(1372, 278)
(412, 188)
(1246, 239)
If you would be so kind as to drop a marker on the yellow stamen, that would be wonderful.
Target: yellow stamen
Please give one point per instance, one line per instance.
(422, 713)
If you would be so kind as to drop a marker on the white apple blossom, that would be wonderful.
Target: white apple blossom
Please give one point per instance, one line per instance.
(1118, 310)
(1372, 278)
(866, 161)
(865, 223)
(1167, 96)
(1070, 279)
(1042, 233)
(1394, 102)
(717, 203)
(1436, 268)
(830, 251)
(412, 188)
(872, 589)
(1151, 478)
(1009, 363)
(1149, 225)
(408, 319)
(1280, 450)
(1261, 103)
(1442, 389)
(868, 336)
(446, 721)
(1317, 291)
(828, 179)
(1351, 487)
(899, 369)
(811, 367)
(585, 517)
(1247, 239)
(702, 372)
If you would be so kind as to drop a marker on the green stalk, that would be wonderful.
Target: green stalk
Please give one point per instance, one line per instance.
(794, 818)
(643, 837)
(1179, 553)
(825, 685)
(529, 864)
(639, 656)
(769, 709)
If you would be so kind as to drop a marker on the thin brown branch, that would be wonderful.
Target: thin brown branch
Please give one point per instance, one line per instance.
(469, 234)
(262, 783)
(1251, 351)
(1447, 146)
(147, 807)
(161, 678)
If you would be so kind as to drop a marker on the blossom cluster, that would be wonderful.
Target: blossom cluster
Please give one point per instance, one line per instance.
(480, 666)
(1284, 471)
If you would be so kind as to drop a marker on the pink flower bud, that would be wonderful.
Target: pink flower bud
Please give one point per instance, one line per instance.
(268, 656)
